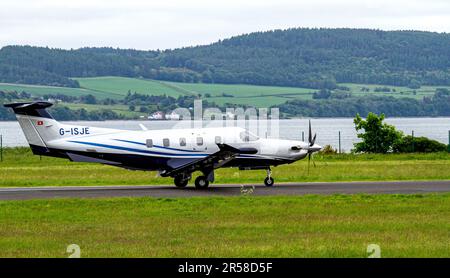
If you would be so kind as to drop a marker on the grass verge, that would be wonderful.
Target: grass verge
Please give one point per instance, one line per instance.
(303, 226)
(21, 168)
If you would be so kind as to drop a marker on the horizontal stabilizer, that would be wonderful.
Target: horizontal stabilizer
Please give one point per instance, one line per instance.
(36, 108)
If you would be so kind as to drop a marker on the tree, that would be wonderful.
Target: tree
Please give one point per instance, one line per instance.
(132, 107)
(144, 109)
(322, 94)
(414, 84)
(89, 99)
(378, 137)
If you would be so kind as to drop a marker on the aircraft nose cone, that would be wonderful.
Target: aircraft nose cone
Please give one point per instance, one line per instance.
(315, 148)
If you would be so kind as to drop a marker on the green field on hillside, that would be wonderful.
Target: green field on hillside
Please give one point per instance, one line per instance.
(356, 90)
(118, 108)
(21, 168)
(259, 96)
(38, 90)
(119, 86)
(246, 226)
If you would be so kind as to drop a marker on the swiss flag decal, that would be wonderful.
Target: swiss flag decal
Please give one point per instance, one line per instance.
(40, 122)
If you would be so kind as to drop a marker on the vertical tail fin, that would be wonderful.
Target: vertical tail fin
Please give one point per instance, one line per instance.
(37, 124)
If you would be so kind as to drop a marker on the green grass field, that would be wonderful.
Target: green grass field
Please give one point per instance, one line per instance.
(246, 226)
(39, 90)
(118, 108)
(356, 90)
(119, 86)
(21, 168)
(259, 96)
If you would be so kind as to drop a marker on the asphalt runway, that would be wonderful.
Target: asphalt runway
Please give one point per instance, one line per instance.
(326, 188)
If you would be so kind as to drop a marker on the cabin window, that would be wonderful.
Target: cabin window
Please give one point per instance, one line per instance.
(149, 143)
(218, 140)
(199, 141)
(166, 142)
(182, 142)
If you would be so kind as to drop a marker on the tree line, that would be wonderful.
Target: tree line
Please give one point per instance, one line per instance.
(437, 105)
(301, 57)
(331, 106)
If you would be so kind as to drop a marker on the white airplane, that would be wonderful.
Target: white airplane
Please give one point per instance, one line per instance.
(175, 153)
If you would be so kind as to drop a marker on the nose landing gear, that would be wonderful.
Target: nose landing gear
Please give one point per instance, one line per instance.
(201, 182)
(269, 181)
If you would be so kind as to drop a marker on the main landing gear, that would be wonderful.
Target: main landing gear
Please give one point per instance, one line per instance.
(181, 180)
(201, 182)
(269, 181)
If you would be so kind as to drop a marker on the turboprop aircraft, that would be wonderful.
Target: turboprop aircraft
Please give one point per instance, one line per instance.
(175, 153)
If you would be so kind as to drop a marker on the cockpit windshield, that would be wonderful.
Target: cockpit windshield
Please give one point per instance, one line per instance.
(247, 136)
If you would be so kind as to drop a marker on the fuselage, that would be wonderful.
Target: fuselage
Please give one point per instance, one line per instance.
(151, 149)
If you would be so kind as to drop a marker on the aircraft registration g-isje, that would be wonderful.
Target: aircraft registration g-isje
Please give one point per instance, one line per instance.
(175, 153)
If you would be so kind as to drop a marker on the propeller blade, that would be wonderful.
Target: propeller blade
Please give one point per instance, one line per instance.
(310, 133)
(311, 141)
(309, 161)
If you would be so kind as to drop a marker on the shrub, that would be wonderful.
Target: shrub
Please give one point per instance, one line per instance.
(328, 149)
(420, 144)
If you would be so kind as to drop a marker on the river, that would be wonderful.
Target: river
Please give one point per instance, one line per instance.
(327, 129)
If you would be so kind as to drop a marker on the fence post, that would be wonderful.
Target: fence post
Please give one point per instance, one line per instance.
(303, 136)
(412, 134)
(339, 141)
(1, 148)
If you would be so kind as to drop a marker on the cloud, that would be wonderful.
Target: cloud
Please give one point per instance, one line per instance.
(176, 23)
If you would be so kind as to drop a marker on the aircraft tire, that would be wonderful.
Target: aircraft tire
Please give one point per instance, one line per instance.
(269, 181)
(180, 181)
(201, 182)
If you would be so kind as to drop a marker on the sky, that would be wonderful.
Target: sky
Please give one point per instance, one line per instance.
(151, 25)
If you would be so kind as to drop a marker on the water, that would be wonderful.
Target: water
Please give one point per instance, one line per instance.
(326, 128)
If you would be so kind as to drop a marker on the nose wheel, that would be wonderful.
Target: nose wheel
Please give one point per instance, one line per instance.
(201, 182)
(269, 181)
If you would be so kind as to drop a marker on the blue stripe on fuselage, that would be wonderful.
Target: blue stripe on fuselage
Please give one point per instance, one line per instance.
(136, 150)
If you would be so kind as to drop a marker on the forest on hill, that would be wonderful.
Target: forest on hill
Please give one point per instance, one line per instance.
(301, 57)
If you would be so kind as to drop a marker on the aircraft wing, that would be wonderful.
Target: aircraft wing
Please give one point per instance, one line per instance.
(225, 154)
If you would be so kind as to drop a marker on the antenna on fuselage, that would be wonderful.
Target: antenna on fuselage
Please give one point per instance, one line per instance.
(143, 127)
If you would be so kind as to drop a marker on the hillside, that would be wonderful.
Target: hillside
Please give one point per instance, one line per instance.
(309, 58)
(124, 97)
